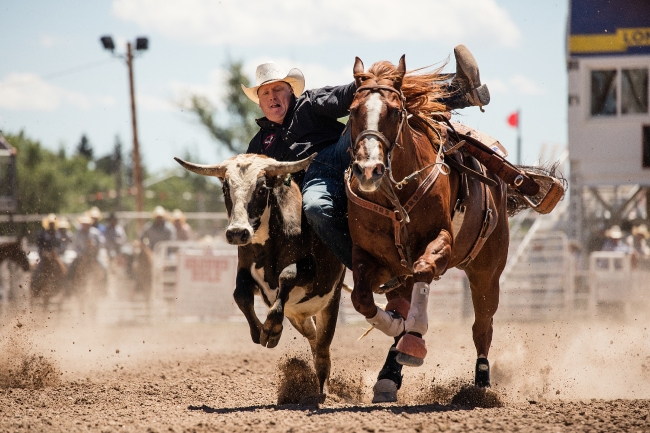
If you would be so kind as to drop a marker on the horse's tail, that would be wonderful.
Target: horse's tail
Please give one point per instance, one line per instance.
(546, 176)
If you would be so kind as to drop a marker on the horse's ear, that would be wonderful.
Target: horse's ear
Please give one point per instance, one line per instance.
(401, 70)
(358, 69)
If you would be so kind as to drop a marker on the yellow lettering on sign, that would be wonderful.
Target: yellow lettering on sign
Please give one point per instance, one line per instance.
(618, 42)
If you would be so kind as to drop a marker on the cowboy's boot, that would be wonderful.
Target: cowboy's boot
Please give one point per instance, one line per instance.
(467, 82)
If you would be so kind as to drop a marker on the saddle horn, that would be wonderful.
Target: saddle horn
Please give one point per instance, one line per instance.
(218, 170)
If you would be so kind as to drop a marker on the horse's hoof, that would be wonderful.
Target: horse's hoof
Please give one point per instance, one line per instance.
(482, 373)
(412, 350)
(385, 391)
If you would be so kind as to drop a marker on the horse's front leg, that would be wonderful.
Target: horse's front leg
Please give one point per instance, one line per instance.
(245, 298)
(368, 274)
(429, 266)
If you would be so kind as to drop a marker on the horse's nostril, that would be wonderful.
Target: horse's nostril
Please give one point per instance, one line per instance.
(380, 169)
(356, 169)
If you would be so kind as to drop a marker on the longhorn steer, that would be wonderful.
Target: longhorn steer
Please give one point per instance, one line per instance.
(280, 257)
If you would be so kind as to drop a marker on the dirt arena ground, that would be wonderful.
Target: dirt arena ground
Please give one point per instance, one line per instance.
(204, 377)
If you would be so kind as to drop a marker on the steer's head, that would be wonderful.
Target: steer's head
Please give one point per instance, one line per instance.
(248, 184)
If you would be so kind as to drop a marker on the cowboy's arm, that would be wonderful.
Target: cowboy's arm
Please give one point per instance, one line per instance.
(333, 102)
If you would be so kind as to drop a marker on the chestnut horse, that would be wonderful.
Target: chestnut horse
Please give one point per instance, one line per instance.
(402, 197)
(48, 279)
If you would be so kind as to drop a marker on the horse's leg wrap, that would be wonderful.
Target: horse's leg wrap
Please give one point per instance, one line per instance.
(418, 320)
(411, 346)
(387, 322)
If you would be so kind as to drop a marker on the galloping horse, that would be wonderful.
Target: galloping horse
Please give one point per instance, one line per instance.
(413, 217)
(14, 251)
(48, 279)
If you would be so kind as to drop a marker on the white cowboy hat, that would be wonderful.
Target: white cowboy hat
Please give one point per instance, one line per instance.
(159, 211)
(270, 72)
(85, 219)
(64, 224)
(178, 215)
(94, 212)
(615, 232)
(50, 219)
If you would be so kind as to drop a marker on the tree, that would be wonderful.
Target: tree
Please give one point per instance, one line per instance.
(235, 130)
(84, 148)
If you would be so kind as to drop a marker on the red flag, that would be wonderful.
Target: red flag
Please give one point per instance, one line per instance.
(513, 119)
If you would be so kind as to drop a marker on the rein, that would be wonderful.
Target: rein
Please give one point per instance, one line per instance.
(399, 215)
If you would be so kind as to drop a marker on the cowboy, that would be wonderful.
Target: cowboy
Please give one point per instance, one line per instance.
(65, 234)
(96, 215)
(298, 124)
(88, 240)
(115, 236)
(639, 240)
(48, 238)
(159, 229)
(615, 241)
(183, 229)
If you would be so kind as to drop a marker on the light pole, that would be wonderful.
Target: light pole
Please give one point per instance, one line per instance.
(141, 44)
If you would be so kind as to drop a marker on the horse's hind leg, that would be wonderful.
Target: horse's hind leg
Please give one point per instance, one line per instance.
(484, 283)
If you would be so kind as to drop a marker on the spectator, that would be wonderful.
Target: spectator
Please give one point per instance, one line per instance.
(615, 242)
(159, 229)
(639, 240)
(183, 229)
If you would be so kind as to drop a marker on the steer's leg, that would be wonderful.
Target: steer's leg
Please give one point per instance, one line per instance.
(245, 298)
(430, 265)
(325, 326)
(272, 328)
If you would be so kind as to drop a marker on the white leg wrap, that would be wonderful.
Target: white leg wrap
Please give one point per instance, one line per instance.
(386, 323)
(417, 320)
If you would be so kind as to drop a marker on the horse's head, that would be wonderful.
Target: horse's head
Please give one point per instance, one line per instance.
(14, 251)
(377, 115)
(248, 181)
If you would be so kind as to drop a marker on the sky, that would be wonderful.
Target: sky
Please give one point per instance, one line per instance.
(57, 83)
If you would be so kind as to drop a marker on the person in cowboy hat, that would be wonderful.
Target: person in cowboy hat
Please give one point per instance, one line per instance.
(615, 241)
(65, 234)
(183, 229)
(639, 240)
(298, 123)
(159, 229)
(48, 238)
(115, 236)
(97, 216)
(88, 240)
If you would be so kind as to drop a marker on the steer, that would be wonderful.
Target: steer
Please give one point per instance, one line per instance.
(280, 257)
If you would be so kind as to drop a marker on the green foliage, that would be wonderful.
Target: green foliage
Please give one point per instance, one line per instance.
(235, 129)
(84, 148)
(51, 182)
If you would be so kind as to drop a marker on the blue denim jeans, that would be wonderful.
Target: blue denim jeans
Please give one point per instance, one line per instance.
(324, 200)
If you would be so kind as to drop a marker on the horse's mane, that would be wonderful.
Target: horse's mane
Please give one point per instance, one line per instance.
(422, 88)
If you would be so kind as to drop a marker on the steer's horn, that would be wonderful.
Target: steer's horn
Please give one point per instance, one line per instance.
(218, 170)
(281, 168)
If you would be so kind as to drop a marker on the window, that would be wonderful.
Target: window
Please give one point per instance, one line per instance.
(619, 92)
(646, 146)
(603, 93)
(634, 91)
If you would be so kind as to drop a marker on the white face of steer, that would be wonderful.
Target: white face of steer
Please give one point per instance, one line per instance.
(246, 194)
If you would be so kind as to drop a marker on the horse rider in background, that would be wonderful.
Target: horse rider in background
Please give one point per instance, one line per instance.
(639, 241)
(615, 241)
(65, 234)
(47, 240)
(298, 124)
(158, 230)
(183, 229)
(88, 240)
(96, 215)
(115, 236)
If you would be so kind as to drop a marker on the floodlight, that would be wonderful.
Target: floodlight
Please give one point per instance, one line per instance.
(141, 44)
(107, 42)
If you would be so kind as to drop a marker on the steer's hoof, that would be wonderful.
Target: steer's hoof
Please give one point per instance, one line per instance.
(385, 391)
(271, 338)
(482, 373)
(412, 350)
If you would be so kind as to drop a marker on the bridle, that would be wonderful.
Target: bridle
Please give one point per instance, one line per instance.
(399, 215)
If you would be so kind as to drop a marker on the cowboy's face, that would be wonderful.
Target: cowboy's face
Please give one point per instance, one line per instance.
(274, 100)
